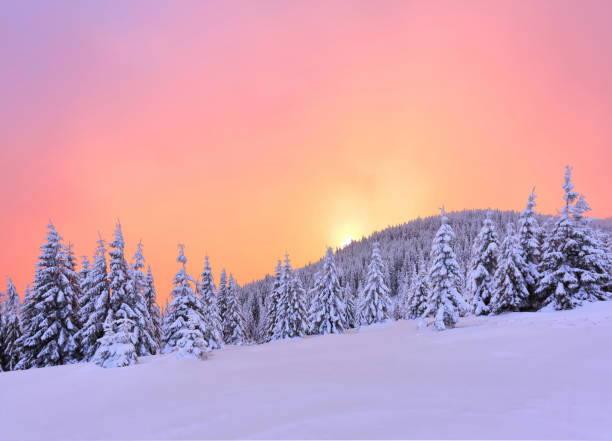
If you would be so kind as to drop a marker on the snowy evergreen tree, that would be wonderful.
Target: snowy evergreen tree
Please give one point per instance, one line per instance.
(10, 331)
(483, 266)
(375, 304)
(2, 351)
(292, 316)
(95, 304)
(574, 265)
(83, 277)
(233, 328)
(145, 329)
(445, 301)
(272, 303)
(222, 297)
(206, 290)
(418, 294)
(51, 323)
(326, 311)
(350, 310)
(184, 327)
(116, 348)
(150, 298)
(529, 238)
(510, 292)
(126, 296)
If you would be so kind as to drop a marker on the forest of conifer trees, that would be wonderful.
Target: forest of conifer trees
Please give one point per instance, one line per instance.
(436, 270)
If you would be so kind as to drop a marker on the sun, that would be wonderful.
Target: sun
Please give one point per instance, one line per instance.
(346, 241)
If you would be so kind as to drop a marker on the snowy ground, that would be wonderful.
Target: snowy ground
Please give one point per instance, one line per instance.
(530, 375)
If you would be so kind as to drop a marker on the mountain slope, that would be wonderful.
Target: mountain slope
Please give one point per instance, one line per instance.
(523, 375)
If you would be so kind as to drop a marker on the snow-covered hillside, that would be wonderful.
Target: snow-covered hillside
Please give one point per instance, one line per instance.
(520, 375)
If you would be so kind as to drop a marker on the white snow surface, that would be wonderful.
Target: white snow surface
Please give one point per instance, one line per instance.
(543, 375)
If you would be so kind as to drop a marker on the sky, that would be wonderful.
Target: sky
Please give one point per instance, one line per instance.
(247, 130)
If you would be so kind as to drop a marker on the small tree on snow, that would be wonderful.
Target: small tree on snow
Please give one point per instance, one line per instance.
(150, 297)
(272, 303)
(375, 303)
(483, 266)
(222, 297)
(445, 301)
(184, 320)
(510, 292)
(116, 348)
(326, 311)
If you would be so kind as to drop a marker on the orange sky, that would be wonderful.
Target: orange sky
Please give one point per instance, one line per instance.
(251, 129)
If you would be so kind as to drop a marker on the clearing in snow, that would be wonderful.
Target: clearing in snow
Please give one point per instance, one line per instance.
(521, 375)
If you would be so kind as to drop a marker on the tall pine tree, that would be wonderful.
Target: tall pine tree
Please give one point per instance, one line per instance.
(10, 331)
(233, 327)
(484, 263)
(206, 290)
(184, 326)
(326, 311)
(375, 303)
(95, 305)
(510, 292)
(50, 326)
(445, 301)
(150, 298)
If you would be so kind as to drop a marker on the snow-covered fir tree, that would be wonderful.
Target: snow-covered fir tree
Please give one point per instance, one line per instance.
(10, 330)
(150, 298)
(206, 290)
(95, 304)
(233, 327)
(510, 292)
(222, 296)
(83, 277)
(350, 309)
(375, 304)
(2, 352)
(272, 303)
(184, 326)
(116, 348)
(126, 296)
(326, 311)
(418, 294)
(574, 266)
(147, 344)
(530, 235)
(291, 311)
(445, 301)
(50, 326)
(482, 268)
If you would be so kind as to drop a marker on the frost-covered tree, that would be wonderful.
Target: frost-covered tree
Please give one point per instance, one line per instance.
(2, 352)
(482, 268)
(326, 311)
(116, 348)
(530, 240)
(375, 304)
(222, 296)
(51, 323)
(83, 277)
(184, 327)
(292, 316)
(10, 331)
(126, 296)
(272, 303)
(147, 344)
(233, 327)
(574, 266)
(95, 304)
(418, 294)
(206, 290)
(510, 292)
(445, 301)
(350, 310)
(150, 297)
